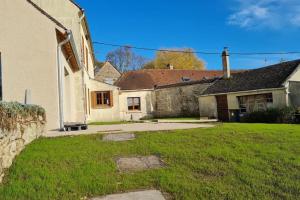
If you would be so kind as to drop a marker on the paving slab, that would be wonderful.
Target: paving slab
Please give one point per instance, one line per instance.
(187, 121)
(141, 195)
(139, 163)
(119, 137)
(137, 127)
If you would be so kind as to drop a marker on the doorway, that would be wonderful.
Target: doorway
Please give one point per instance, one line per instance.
(222, 108)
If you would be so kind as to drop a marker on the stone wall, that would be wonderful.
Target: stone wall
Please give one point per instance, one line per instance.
(12, 143)
(19, 125)
(179, 101)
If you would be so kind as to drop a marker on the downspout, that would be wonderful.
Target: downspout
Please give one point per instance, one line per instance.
(85, 103)
(61, 81)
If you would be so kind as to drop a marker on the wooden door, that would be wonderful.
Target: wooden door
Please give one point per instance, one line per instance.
(222, 107)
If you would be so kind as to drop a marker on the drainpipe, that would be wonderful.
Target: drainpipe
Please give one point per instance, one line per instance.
(61, 81)
(82, 16)
(85, 103)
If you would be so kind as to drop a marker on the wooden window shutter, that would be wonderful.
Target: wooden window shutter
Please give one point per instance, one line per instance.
(111, 98)
(94, 99)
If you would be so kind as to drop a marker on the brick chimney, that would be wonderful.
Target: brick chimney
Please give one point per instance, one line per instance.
(225, 61)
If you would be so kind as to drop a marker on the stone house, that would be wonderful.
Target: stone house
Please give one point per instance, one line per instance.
(55, 68)
(151, 93)
(107, 73)
(274, 86)
(100, 100)
(39, 61)
(55, 65)
(181, 99)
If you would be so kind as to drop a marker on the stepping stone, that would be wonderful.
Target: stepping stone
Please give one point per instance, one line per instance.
(142, 195)
(139, 163)
(119, 137)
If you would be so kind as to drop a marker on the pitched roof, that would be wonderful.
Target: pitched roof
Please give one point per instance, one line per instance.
(202, 81)
(150, 78)
(262, 78)
(100, 65)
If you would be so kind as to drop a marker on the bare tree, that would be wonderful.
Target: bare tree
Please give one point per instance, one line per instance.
(138, 62)
(125, 59)
(120, 58)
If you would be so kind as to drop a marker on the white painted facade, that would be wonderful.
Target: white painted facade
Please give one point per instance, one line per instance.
(28, 46)
(147, 104)
(281, 97)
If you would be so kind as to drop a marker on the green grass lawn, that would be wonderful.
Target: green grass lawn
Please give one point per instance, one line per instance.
(231, 161)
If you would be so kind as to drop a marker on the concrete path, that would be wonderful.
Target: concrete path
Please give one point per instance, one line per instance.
(187, 120)
(142, 195)
(121, 128)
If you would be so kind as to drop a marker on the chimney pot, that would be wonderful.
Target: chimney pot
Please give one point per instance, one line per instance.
(226, 63)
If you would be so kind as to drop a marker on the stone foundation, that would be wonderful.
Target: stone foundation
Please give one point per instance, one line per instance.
(13, 142)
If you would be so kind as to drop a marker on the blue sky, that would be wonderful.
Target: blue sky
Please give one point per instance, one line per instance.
(241, 25)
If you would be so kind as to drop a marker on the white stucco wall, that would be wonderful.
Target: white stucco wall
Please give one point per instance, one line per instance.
(104, 114)
(70, 99)
(66, 13)
(296, 75)
(208, 104)
(147, 104)
(28, 46)
(208, 107)
(279, 98)
(69, 15)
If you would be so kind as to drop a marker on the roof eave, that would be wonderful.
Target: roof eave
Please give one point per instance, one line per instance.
(242, 91)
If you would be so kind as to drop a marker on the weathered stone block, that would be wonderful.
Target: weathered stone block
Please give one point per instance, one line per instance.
(13, 142)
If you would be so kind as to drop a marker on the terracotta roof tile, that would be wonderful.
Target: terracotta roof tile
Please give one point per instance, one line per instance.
(150, 78)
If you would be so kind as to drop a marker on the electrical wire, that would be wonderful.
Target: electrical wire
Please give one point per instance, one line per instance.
(198, 52)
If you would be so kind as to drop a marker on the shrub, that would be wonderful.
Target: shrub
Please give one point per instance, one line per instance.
(272, 115)
(14, 113)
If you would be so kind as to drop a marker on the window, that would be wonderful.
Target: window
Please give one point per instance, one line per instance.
(134, 103)
(259, 102)
(0, 78)
(102, 99)
(269, 98)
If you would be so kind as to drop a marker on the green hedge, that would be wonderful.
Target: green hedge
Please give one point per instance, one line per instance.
(14, 113)
(272, 115)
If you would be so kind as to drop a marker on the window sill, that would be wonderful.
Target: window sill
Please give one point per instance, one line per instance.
(134, 111)
(102, 107)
